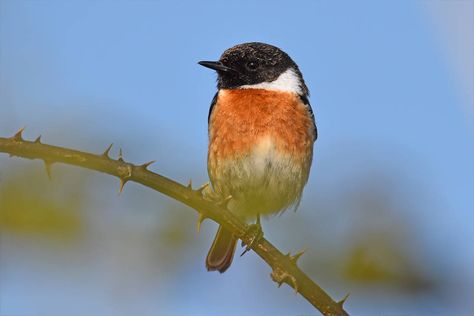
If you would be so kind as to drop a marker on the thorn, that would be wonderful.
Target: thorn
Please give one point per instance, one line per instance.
(120, 158)
(296, 256)
(147, 164)
(202, 188)
(38, 140)
(19, 135)
(280, 276)
(201, 219)
(47, 166)
(107, 151)
(341, 302)
(190, 184)
(122, 184)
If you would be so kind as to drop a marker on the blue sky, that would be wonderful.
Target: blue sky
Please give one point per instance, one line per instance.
(389, 82)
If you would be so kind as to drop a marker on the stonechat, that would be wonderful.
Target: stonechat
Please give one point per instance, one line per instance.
(261, 135)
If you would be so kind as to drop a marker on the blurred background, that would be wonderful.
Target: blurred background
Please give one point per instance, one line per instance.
(387, 214)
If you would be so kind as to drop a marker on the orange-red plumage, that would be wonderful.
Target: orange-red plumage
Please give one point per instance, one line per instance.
(243, 116)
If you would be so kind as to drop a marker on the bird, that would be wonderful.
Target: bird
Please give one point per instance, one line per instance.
(261, 130)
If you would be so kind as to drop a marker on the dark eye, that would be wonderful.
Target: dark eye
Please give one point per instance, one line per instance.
(252, 65)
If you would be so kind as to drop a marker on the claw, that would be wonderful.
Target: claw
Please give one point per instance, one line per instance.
(38, 140)
(247, 249)
(190, 184)
(225, 202)
(256, 233)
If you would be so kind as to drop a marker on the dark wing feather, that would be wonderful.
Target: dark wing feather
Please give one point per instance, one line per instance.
(214, 100)
(305, 100)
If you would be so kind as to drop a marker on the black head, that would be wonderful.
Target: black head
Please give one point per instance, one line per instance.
(253, 63)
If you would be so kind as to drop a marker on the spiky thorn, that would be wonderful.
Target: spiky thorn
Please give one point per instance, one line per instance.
(341, 302)
(122, 184)
(201, 219)
(125, 172)
(19, 135)
(120, 157)
(47, 167)
(190, 184)
(201, 189)
(280, 276)
(107, 151)
(146, 164)
(38, 140)
(294, 258)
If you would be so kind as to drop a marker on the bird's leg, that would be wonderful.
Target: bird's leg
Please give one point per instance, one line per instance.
(255, 233)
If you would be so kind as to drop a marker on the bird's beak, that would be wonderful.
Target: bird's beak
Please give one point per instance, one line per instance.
(216, 65)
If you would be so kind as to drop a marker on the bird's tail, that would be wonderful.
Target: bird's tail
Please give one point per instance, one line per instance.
(222, 251)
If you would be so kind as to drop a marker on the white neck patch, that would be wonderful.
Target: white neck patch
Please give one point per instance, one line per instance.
(287, 81)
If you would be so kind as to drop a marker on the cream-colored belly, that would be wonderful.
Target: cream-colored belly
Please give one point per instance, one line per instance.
(262, 181)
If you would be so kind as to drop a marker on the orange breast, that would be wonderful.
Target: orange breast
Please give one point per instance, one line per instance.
(241, 117)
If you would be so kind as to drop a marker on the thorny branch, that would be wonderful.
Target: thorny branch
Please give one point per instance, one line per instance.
(284, 266)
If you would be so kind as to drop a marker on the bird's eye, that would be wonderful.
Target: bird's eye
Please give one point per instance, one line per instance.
(252, 65)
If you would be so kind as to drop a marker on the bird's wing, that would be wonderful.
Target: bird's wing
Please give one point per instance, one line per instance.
(305, 100)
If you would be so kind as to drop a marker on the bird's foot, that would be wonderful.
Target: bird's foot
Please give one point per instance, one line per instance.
(254, 234)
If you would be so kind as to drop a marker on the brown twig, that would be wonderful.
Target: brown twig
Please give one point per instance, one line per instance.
(284, 267)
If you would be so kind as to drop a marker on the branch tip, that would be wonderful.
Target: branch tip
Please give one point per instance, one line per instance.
(107, 151)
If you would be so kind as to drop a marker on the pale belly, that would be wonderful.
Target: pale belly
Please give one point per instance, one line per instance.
(261, 181)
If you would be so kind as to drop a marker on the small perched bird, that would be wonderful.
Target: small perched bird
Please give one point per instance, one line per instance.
(261, 135)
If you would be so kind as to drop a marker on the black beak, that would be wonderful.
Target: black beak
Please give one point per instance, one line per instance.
(216, 65)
